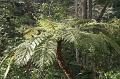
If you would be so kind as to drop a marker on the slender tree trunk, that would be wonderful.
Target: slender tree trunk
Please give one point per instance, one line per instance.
(90, 9)
(93, 74)
(84, 9)
(76, 8)
(77, 56)
(61, 61)
(76, 15)
(102, 11)
(51, 2)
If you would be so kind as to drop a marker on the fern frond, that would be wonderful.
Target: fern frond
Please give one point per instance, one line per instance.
(47, 24)
(105, 28)
(25, 50)
(44, 54)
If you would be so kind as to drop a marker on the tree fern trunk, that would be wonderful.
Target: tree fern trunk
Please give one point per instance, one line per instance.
(61, 62)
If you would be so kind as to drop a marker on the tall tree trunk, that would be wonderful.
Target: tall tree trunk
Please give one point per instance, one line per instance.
(76, 49)
(93, 76)
(90, 9)
(77, 56)
(61, 61)
(76, 8)
(50, 6)
(102, 11)
(84, 9)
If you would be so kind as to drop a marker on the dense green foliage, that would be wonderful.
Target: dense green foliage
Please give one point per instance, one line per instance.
(31, 29)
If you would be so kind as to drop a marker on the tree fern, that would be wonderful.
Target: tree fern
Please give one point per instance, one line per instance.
(41, 48)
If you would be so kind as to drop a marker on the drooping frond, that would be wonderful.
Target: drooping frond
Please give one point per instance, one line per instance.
(25, 50)
(105, 28)
(44, 54)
